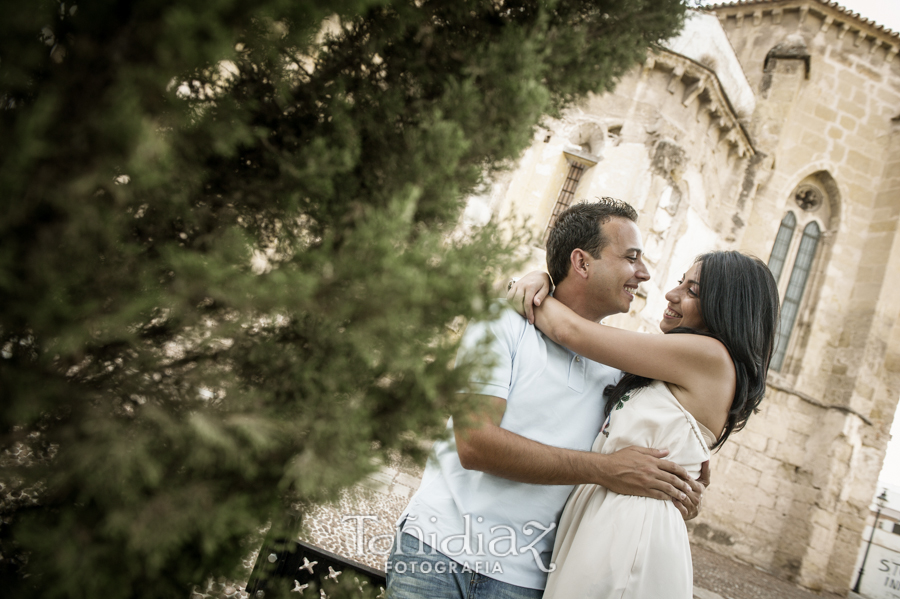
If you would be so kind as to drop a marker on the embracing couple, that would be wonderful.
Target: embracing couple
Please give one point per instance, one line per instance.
(498, 513)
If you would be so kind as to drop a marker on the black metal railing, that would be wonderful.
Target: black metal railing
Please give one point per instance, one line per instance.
(310, 571)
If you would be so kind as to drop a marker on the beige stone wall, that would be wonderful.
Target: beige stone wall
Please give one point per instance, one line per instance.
(835, 121)
(790, 492)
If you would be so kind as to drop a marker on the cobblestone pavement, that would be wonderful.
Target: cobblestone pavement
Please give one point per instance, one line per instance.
(716, 576)
(360, 527)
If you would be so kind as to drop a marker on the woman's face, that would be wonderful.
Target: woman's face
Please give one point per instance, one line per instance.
(684, 303)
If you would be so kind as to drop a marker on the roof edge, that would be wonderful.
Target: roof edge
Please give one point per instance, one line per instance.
(874, 28)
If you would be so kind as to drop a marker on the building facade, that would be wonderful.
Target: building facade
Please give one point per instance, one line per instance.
(771, 127)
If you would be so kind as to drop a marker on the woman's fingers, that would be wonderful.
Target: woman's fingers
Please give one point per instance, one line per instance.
(527, 292)
(541, 293)
(516, 298)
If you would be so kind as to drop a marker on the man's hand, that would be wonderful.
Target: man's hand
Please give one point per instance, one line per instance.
(703, 479)
(690, 508)
(642, 471)
(483, 445)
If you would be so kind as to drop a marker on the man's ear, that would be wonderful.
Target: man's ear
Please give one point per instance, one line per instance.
(579, 262)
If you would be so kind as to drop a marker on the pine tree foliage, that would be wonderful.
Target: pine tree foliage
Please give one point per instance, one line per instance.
(228, 260)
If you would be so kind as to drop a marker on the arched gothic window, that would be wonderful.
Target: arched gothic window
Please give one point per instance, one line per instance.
(793, 262)
(790, 306)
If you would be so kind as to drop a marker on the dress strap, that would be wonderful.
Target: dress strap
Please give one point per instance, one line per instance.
(708, 435)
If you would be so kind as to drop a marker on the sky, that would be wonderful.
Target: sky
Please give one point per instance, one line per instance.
(886, 13)
(890, 472)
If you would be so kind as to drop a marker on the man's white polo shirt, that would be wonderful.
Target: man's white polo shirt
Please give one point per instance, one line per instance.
(495, 526)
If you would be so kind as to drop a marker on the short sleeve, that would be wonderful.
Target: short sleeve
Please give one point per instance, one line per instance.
(502, 337)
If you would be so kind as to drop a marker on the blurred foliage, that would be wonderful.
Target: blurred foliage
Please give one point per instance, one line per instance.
(229, 253)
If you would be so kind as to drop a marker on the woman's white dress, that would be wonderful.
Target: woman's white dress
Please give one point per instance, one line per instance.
(612, 546)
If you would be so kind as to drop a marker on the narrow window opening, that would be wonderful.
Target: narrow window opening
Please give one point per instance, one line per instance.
(796, 285)
(567, 193)
(782, 244)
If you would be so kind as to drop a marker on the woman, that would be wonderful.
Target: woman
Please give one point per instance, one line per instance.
(684, 392)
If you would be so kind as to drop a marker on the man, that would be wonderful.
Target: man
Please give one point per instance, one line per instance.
(482, 523)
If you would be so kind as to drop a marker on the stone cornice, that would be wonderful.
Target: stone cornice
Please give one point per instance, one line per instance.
(706, 88)
(831, 14)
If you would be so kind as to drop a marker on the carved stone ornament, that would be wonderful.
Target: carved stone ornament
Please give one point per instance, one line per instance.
(809, 198)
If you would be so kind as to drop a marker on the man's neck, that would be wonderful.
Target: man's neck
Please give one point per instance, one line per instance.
(577, 301)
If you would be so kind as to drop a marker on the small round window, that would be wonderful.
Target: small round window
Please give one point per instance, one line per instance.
(808, 197)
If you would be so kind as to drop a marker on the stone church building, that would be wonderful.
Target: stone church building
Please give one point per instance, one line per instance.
(771, 127)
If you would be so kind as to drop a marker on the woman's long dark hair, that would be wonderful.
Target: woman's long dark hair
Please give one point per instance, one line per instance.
(739, 304)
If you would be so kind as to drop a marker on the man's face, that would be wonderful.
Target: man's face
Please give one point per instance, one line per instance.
(613, 279)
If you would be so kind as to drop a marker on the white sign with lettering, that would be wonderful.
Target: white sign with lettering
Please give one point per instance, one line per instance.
(881, 579)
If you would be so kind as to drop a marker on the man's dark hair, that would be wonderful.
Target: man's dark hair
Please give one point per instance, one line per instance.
(580, 226)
